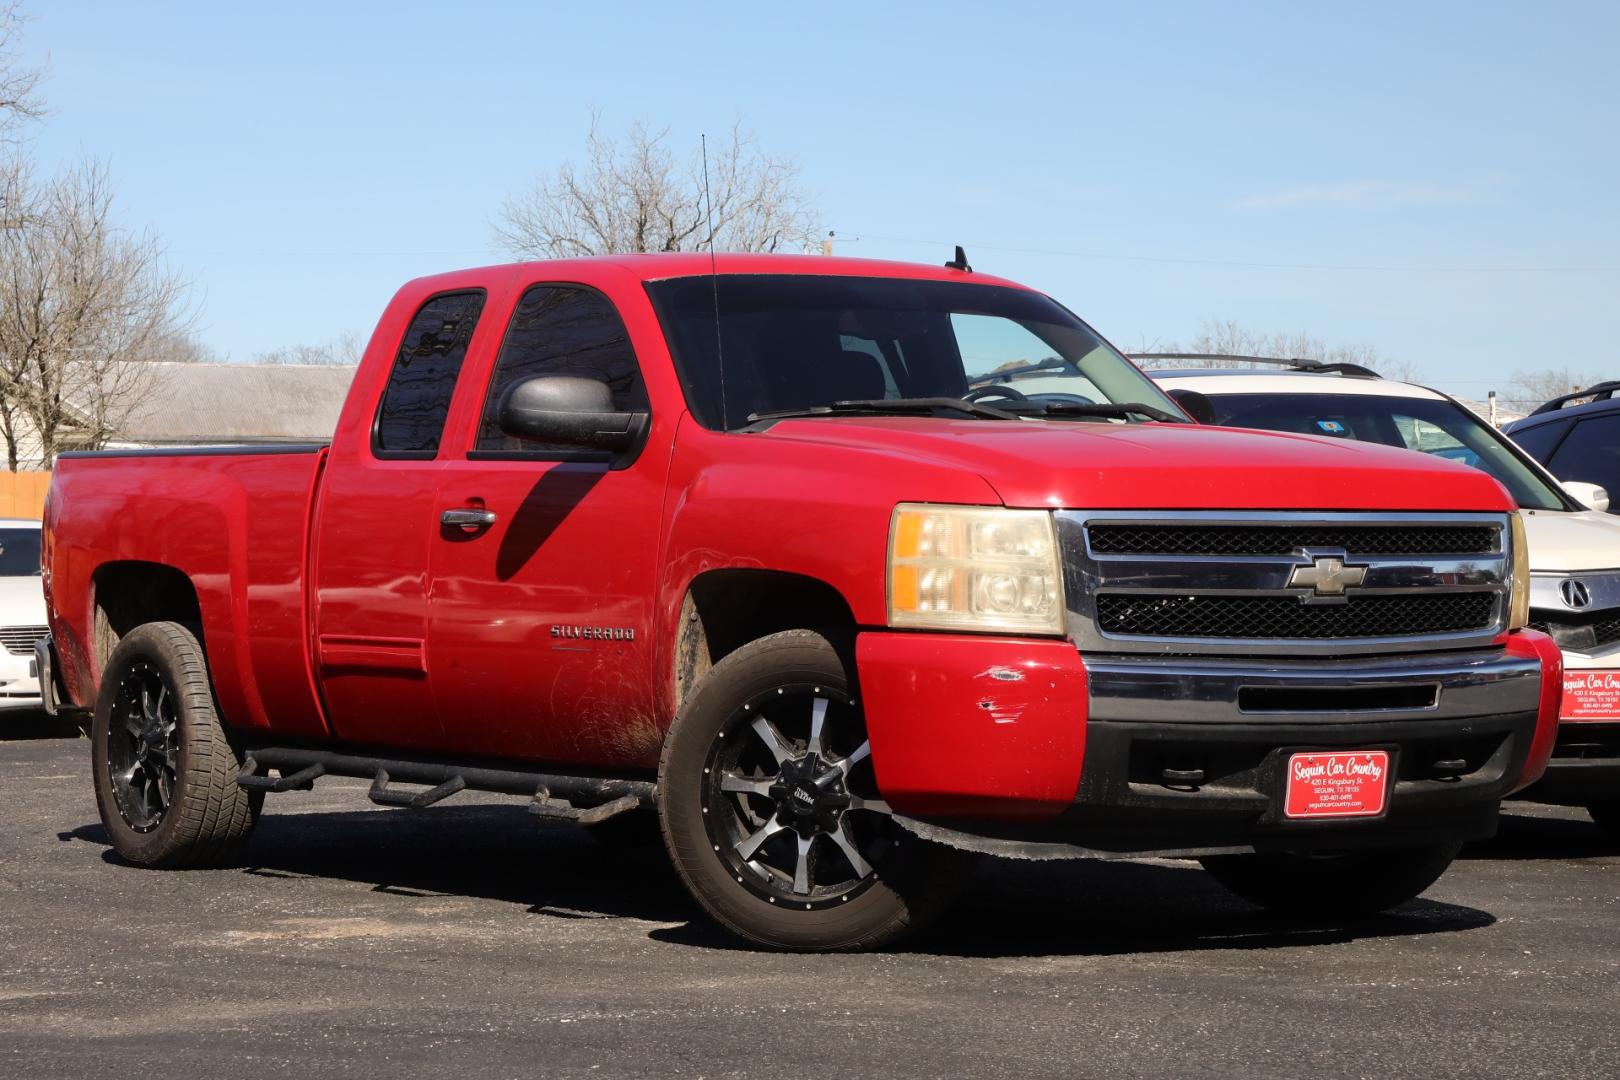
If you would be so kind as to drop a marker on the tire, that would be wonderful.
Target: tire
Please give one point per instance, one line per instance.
(1347, 884)
(1607, 816)
(788, 892)
(156, 724)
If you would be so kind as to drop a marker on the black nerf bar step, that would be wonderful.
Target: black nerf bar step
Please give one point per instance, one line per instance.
(302, 780)
(383, 795)
(562, 810)
(583, 799)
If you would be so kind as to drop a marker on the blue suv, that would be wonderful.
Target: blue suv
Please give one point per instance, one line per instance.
(1579, 442)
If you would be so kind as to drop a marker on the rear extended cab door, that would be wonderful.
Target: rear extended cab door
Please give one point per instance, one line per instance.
(541, 621)
(376, 523)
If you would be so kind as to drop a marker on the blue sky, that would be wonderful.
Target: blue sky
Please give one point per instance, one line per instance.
(1437, 180)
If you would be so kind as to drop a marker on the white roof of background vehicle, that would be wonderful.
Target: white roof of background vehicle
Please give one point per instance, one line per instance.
(1560, 541)
(18, 523)
(1290, 382)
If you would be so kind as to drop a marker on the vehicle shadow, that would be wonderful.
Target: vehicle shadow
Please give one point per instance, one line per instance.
(22, 724)
(493, 851)
(501, 852)
(1108, 908)
(1523, 836)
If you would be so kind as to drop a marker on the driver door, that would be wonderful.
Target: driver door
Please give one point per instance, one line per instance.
(540, 622)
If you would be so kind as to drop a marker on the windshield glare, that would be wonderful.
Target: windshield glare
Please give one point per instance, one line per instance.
(796, 341)
(1441, 428)
(19, 552)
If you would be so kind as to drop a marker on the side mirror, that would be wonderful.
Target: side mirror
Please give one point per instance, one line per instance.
(1594, 495)
(1194, 404)
(568, 410)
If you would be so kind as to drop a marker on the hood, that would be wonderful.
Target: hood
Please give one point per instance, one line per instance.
(1561, 541)
(22, 601)
(1164, 466)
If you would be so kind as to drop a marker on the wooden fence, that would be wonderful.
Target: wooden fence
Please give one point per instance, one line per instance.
(22, 494)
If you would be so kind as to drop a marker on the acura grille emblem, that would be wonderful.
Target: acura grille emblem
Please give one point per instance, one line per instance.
(1575, 593)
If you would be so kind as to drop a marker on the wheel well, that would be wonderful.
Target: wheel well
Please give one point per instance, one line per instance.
(128, 594)
(726, 609)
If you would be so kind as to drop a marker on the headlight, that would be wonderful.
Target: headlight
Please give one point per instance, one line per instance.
(1519, 601)
(974, 568)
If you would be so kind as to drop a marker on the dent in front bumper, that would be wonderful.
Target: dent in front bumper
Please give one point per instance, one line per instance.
(1083, 757)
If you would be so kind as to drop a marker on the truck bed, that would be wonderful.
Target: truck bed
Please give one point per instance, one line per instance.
(236, 522)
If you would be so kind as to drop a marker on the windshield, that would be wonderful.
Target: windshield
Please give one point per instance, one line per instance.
(19, 552)
(797, 341)
(1441, 428)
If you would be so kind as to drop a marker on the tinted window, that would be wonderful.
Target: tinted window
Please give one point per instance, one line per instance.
(19, 552)
(1591, 453)
(1440, 428)
(410, 420)
(1539, 441)
(797, 341)
(558, 330)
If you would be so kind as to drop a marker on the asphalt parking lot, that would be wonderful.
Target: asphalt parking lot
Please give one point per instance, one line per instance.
(470, 940)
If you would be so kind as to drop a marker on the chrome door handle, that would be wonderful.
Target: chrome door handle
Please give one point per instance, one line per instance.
(469, 519)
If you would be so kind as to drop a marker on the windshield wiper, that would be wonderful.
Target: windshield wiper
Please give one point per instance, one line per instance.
(1123, 410)
(922, 406)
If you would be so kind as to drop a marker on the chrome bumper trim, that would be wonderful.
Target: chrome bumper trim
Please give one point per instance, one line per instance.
(1196, 690)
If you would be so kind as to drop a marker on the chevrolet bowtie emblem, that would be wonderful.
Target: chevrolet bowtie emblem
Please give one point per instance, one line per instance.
(1327, 575)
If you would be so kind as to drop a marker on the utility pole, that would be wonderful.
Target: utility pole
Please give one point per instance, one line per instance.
(1490, 400)
(827, 244)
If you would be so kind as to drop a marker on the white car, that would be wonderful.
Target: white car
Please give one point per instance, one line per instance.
(22, 613)
(1574, 549)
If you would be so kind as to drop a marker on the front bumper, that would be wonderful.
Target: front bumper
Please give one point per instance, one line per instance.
(1585, 766)
(1585, 763)
(1028, 741)
(19, 683)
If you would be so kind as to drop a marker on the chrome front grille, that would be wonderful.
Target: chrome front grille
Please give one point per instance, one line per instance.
(1283, 583)
(1590, 622)
(19, 640)
(1195, 539)
(1580, 637)
(1286, 617)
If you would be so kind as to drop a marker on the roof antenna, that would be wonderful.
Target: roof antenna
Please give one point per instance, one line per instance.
(960, 262)
(714, 278)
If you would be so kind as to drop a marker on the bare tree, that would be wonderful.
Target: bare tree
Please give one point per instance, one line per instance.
(632, 196)
(19, 85)
(1531, 388)
(1229, 338)
(342, 351)
(19, 104)
(81, 301)
(180, 347)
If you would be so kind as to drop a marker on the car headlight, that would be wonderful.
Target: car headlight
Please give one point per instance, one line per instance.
(1519, 599)
(974, 568)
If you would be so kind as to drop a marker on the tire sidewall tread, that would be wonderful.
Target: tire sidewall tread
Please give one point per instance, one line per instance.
(210, 815)
(882, 913)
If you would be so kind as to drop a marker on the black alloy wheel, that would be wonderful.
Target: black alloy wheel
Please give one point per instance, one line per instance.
(790, 801)
(769, 806)
(164, 764)
(143, 747)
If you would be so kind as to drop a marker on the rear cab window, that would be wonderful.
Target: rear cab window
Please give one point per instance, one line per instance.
(416, 401)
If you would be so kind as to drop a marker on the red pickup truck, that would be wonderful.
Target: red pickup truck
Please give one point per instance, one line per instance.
(757, 544)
